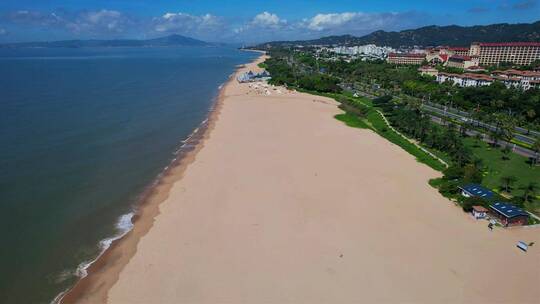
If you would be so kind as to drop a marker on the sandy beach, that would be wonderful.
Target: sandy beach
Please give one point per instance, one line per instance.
(281, 203)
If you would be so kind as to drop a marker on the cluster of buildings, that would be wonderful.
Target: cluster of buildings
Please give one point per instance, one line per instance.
(478, 54)
(369, 51)
(253, 77)
(524, 80)
(505, 213)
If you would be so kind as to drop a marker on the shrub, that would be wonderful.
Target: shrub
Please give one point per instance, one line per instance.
(469, 202)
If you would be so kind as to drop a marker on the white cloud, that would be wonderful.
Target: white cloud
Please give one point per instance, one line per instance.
(360, 23)
(186, 23)
(325, 21)
(100, 21)
(92, 22)
(266, 19)
(264, 26)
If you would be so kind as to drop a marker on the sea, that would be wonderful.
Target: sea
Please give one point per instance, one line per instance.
(83, 134)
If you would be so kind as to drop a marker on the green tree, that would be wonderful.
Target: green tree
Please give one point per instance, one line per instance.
(472, 172)
(469, 202)
(536, 148)
(529, 192)
(507, 181)
(461, 155)
(505, 125)
(506, 152)
(478, 139)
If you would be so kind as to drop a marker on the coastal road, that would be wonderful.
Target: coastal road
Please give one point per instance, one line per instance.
(520, 134)
(515, 148)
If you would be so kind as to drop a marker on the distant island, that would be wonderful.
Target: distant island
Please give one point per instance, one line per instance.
(429, 36)
(171, 40)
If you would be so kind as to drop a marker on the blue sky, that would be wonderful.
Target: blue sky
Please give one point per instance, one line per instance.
(243, 21)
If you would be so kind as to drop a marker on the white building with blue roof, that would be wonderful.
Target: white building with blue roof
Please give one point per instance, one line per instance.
(474, 190)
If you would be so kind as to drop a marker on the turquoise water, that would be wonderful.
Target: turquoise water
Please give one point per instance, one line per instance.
(83, 132)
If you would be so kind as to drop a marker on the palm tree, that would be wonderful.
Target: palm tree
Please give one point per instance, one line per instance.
(478, 138)
(506, 152)
(536, 148)
(461, 155)
(504, 127)
(507, 182)
(495, 137)
(478, 163)
(463, 128)
(529, 192)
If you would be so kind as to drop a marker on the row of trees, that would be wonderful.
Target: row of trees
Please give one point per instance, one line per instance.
(465, 168)
(529, 191)
(411, 121)
(297, 70)
(524, 106)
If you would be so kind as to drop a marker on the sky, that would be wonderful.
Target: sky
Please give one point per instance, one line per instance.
(244, 21)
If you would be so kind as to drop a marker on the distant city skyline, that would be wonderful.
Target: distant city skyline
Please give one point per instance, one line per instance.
(243, 21)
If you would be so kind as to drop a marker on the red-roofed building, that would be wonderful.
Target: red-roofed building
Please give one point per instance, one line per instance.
(465, 80)
(406, 58)
(522, 53)
(461, 51)
(428, 71)
(509, 78)
(518, 79)
(462, 62)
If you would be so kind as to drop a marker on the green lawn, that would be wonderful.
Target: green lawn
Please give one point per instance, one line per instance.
(496, 167)
(352, 120)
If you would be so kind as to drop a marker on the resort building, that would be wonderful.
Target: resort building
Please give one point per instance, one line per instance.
(479, 212)
(474, 190)
(462, 62)
(518, 79)
(522, 53)
(460, 51)
(441, 54)
(406, 58)
(475, 69)
(509, 215)
(465, 80)
(436, 58)
(523, 80)
(428, 71)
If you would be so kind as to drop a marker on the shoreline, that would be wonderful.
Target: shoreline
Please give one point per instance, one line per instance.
(94, 285)
(281, 205)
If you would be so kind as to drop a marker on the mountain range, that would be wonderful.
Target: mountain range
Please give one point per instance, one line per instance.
(172, 40)
(433, 35)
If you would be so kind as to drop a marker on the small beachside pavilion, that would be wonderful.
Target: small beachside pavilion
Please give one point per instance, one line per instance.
(474, 190)
(479, 212)
(509, 215)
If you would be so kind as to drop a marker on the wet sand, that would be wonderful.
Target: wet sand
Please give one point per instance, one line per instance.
(281, 203)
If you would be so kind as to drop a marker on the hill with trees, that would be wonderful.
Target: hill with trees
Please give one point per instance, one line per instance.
(172, 40)
(433, 35)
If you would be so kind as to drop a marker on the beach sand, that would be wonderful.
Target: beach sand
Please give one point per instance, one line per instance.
(282, 203)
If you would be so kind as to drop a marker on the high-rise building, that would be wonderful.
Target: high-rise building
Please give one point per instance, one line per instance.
(522, 53)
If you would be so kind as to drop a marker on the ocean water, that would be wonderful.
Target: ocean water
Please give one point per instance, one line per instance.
(83, 132)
